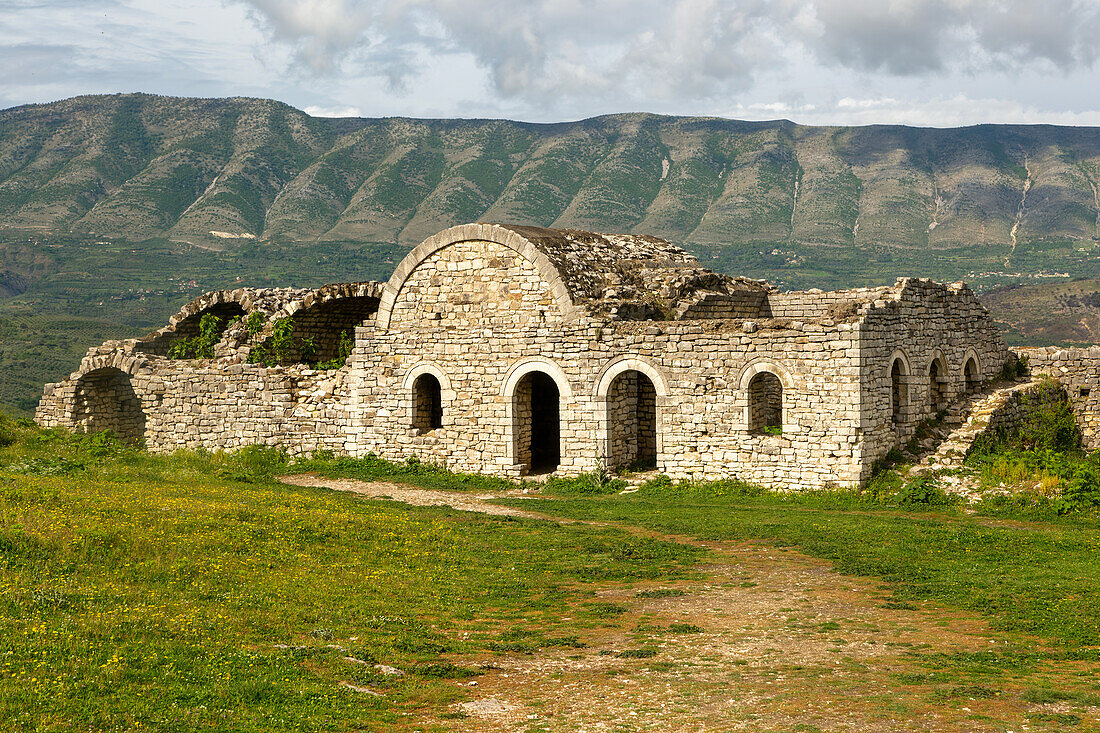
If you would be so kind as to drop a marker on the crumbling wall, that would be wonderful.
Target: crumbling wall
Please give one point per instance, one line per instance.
(916, 322)
(171, 404)
(1078, 370)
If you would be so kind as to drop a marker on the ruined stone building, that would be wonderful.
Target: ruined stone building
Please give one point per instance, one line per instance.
(515, 350)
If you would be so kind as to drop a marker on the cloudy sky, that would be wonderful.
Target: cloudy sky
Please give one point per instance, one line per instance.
(922, 62)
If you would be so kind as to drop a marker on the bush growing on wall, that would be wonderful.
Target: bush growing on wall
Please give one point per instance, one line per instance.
(283, 347)
(201, 346)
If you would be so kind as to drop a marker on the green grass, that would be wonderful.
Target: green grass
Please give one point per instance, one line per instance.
(1036, 577)
(192, 591)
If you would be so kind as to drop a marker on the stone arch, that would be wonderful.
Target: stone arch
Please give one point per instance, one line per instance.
(104, 399)
(185, 324)
(620, 364)
(938, 382)
(971, 372)
(324, 315)
(536, 393)
(899, 375)
(427, 402)
(630, 393)
(467, 233)
(766, 385)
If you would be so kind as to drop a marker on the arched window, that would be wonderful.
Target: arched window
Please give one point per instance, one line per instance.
(632, 421)
(537, 422)
(899, 392)
(972, 376)
(427, 403)
(937, 385)
(105, 400)
(765, 404)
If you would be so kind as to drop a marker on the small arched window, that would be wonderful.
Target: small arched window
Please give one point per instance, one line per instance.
(937, 385)
(765, 404)
(899, 393)
(427, 403)
(972, 375)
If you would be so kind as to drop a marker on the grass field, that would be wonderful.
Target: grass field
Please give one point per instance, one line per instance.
(194, 591)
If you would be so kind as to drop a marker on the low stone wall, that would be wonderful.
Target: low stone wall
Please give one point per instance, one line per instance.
(1078, 369)
(173, 404)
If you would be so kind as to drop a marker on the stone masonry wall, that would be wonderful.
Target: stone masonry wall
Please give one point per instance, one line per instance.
(450, 317)
(201, 403)
(483, 320)
(1078, 369)
(920, 321)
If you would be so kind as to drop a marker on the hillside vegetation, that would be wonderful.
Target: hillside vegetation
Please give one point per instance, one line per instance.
(1062, 313)
(218, 172)
(115, 210)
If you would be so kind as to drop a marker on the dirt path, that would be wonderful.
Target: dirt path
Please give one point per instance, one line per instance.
(767, 639)
(415, 496)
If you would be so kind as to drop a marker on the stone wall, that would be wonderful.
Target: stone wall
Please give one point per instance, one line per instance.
(917, 324)
(1078, 370)
(530, 380)
(452, 317)
(205, 404)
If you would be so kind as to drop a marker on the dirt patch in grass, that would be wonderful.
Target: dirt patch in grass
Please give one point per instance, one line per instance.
(768, 639)
(416, 497)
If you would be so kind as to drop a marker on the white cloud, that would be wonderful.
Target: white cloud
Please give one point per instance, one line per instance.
(954, 111)
(315, 111)
(542, 51)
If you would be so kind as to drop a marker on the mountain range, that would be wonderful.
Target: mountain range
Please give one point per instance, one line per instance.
(218, 172)
(116, 209)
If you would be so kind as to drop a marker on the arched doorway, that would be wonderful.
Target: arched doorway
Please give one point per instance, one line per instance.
(937, 385)
(765, 404)
(537, 422)
(632, 421)
(972, 376)
(899, 392)
(105, 400)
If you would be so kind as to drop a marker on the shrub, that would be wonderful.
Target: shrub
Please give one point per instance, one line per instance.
(1051, 424)
(283, 347)
(923, 491)
(255, 322)
(201, 346)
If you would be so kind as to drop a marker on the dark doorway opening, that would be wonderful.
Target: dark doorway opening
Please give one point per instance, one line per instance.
(539, 422)
(898, 393)
(937, 392)
(970, 374)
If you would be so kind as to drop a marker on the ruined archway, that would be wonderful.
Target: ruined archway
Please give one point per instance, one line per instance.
(329, 324)
(189, 327)
(105, 400)
(632, 421)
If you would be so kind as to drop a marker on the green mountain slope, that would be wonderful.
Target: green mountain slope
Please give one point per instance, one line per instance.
(114, 210)
(189, 170)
